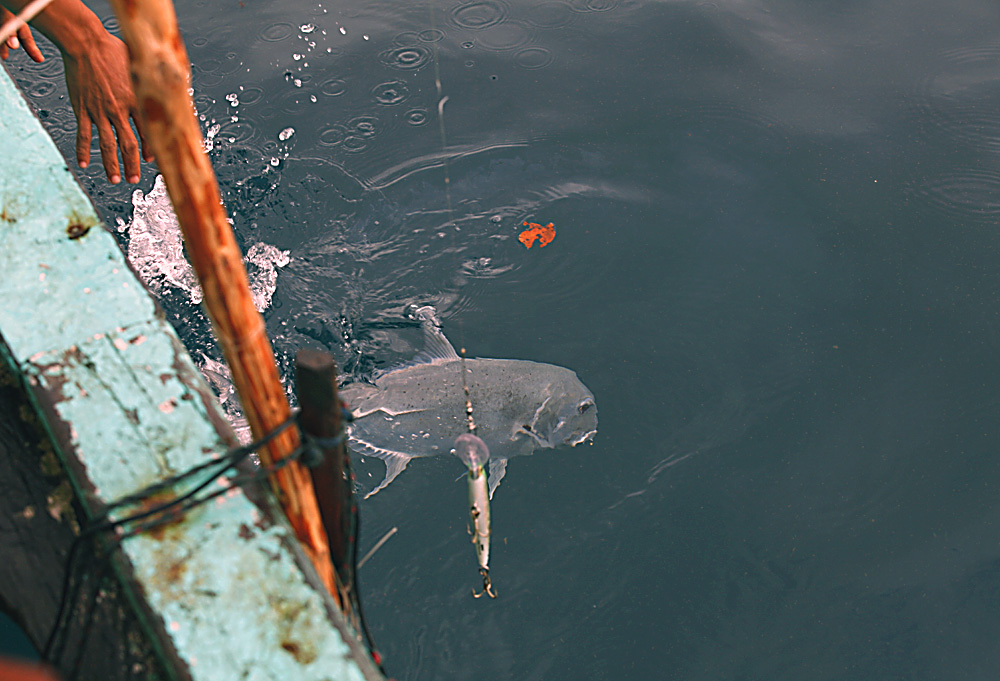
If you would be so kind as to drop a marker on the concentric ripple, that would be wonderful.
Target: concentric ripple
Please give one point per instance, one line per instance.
(416, 116)
(393, 92)
(549, 14)
(332, 135)
(972, 194)
(533, 58)
(962, 98)
(333, 87)
(479, 15)
(506, 36)
(277, 32)
(407, 58)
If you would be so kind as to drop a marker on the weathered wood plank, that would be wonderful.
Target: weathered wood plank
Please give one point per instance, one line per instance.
(224, 593)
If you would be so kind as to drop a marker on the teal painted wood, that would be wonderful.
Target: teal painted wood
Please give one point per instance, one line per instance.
(225, 592)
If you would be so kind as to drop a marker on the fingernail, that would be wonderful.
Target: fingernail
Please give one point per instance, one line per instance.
(115, 179)
(133, 179)
(14, 43)
(83, 164)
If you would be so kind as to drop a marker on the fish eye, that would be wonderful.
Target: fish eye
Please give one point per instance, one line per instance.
(585, 406)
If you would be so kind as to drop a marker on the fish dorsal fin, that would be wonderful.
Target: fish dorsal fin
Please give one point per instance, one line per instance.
(436, 346)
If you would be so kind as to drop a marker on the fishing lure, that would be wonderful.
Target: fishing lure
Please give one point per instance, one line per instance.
(474, 454)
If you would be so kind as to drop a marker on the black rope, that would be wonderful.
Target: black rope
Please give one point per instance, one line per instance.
(309, 451)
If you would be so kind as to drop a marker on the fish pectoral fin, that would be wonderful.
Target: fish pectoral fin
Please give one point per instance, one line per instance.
(498, 468)
(394, 465)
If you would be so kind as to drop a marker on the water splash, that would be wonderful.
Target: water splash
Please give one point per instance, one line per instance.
(156, 251)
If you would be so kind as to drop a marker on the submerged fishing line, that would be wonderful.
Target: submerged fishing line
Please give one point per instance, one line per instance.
(469, 448)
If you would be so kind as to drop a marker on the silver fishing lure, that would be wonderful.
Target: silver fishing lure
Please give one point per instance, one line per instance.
(474, 454)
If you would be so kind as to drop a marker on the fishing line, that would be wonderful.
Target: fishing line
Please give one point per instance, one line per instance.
(478, 494)
(442, 100)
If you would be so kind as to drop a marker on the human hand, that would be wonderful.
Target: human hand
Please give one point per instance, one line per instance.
(23, 38)
(100, 91)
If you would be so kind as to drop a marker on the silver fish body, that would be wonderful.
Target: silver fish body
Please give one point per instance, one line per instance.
(418, 409)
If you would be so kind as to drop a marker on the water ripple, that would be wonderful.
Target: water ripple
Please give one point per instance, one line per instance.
(390, 93)
(533, 58)
(479, 15)
(333, 87)
(407, 58)
(549, 14)
(332, 135)
(964, 195)
(962, 98)
(277, 32)
(506, 36)
(431, 35)
(594, 5)
(416, 116)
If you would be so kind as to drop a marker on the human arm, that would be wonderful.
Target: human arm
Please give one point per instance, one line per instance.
(97, 78)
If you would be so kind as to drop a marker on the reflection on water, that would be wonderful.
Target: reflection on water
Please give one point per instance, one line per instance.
(775, 268)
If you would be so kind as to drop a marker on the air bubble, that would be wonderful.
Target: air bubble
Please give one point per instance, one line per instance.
(286, 133)
(307, 28)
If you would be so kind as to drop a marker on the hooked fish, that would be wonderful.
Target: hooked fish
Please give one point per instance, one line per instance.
(418, 409)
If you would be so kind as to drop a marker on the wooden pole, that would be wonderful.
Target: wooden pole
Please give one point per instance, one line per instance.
(319, 416)
(161, 76)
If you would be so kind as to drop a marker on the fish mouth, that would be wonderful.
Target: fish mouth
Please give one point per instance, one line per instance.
(527, 430)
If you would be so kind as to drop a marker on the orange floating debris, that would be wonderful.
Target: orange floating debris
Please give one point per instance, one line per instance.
(544, 235)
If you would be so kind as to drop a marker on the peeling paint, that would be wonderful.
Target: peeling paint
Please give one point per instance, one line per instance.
(127, 408)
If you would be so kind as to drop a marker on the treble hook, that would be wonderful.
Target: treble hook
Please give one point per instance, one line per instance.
(487, 587)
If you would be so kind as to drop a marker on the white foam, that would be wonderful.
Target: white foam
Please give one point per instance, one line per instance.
(156, 251)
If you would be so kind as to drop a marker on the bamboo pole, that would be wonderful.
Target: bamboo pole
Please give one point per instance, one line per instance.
(161, 76)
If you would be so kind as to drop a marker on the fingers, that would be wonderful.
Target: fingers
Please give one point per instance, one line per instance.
(83, 136)
(147, 153)
(130, 150)
(109, 151)
(28, 43)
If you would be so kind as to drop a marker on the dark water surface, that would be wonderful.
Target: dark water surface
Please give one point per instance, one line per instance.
(776, 268)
